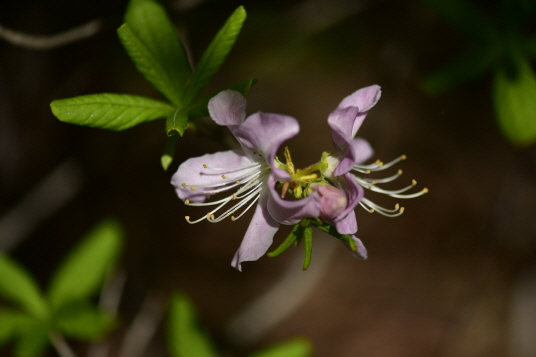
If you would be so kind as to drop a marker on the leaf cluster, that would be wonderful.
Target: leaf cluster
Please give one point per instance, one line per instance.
(186, 338)
(66, 308)
(154, 46)
(499, 45)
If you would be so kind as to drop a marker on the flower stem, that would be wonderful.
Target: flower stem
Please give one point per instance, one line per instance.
(61, 346)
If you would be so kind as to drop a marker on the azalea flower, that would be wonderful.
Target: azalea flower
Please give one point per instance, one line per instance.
(248, 176)
(346, 169)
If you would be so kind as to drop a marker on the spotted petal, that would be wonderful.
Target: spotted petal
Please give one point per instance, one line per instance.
(263, 134)
(192, 172)
(259, 235)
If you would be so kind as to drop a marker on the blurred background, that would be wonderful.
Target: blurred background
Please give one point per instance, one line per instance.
(455, 276)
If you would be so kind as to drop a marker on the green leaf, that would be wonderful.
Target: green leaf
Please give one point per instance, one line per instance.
(466, 17)
(17, 286)
(184, 337)
(81, 320)
(84, 270)
(298, 347)
(514, 94)
(200, 107)
(469, 66)
(177, 122)
(109, 111)
(296, 232)
(32, 340)
(215, 54)
(308, 239)
(11, 323)
(153, 44)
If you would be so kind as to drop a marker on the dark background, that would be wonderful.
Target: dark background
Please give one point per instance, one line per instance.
(452, 277)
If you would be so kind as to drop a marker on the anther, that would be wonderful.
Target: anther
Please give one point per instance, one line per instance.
(204, 166)
(401, 209)
(223, 177)
(184, 184)
(237, 182)
(234, 197)
(187, 218)
(403, 157)
(233, 218)
(425, 190)
(187, 202)
(397, 206)
(192, 188)
(413, 182)
(399, 172)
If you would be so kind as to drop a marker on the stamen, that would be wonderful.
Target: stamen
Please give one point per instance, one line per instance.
(378, 165)
(373, 207)
(187, 202)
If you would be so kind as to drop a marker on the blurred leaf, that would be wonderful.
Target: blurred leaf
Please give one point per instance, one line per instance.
(177, 122)
(294, 348)
(153, 44)
(84, 270)
(215, 54)
(32, 340)
(200, 107)
(515, 103)
(466, 17)
(81, 320)
(17, 286)
(109, 111)
(184, 337)
(11, 322)
(469, 66)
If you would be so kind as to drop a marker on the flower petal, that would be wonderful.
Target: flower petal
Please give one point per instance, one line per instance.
(357, 152)
(292, 212)
(364, 98)
(342, 121)
(192, 173)
(361, 251)
(263, 134)
(259, 235)
(228, 108)
(347, 225)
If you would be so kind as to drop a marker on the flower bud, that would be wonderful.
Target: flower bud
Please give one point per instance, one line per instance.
(332, 201)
